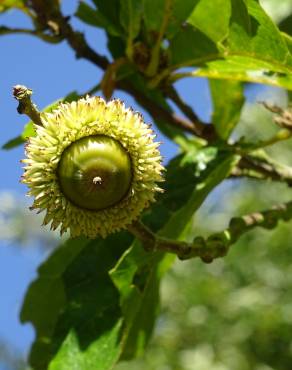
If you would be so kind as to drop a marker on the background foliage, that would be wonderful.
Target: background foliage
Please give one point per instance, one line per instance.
(236, 312)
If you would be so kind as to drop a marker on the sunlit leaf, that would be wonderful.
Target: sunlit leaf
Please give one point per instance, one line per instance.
(228, 99)
(9, 4)
(249, 45)
(240, 68)
(212, 18)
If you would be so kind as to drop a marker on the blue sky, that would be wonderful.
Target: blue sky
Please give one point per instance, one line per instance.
(52, 72)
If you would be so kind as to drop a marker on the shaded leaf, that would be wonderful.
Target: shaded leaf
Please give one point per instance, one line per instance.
(154, 12)
(183, 174)
(74, 306)
(83, 311)
(215, 173)
(76, 310)
(180, 11)
(116, 46)
(28, 131)
(286, 25)
(110, 8)
(130, 17)
(13, 143)
(137, 278)
(190, 46)
(138, 273)
(95, 18)
(228, 99)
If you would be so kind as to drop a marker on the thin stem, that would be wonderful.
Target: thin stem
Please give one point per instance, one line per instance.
(25, 105)
(143, 233)
(266, 167)
(217, 244)
(48, 38)
(155, 52)
(199, 126)
(281, 135)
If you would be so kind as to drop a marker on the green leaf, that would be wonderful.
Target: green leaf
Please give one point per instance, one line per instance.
(247, 69)
(137, 278)
(212, 18)
(71, 356)
(86, 318)
(228, 99)
(96, 18)
(191, 46)
(288, 40)
(116, 46)
(249, 45)
(138, 273)
(180, 11)
(257, 37)
(76, 310)
(175, 11)
(184, 173)
(110, 9)
(13, 143)
(74, 306)
(9, 4)
(286, 25)
(29, 130)
(130, 17)
(90, 15)
(216, 172)
(153, 13)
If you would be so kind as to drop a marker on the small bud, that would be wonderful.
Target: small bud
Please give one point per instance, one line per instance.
(21, 92)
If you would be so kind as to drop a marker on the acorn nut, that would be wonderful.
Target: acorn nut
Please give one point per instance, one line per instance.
(95, 172)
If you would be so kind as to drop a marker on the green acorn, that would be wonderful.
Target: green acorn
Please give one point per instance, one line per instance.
(93, 166)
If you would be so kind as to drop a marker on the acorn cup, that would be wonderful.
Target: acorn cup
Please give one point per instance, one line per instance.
(93, 166)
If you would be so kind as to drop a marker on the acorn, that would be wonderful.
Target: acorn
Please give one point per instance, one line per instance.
(92, 166)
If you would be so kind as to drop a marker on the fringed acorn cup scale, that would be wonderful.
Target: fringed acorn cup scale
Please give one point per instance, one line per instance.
(92, 166)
